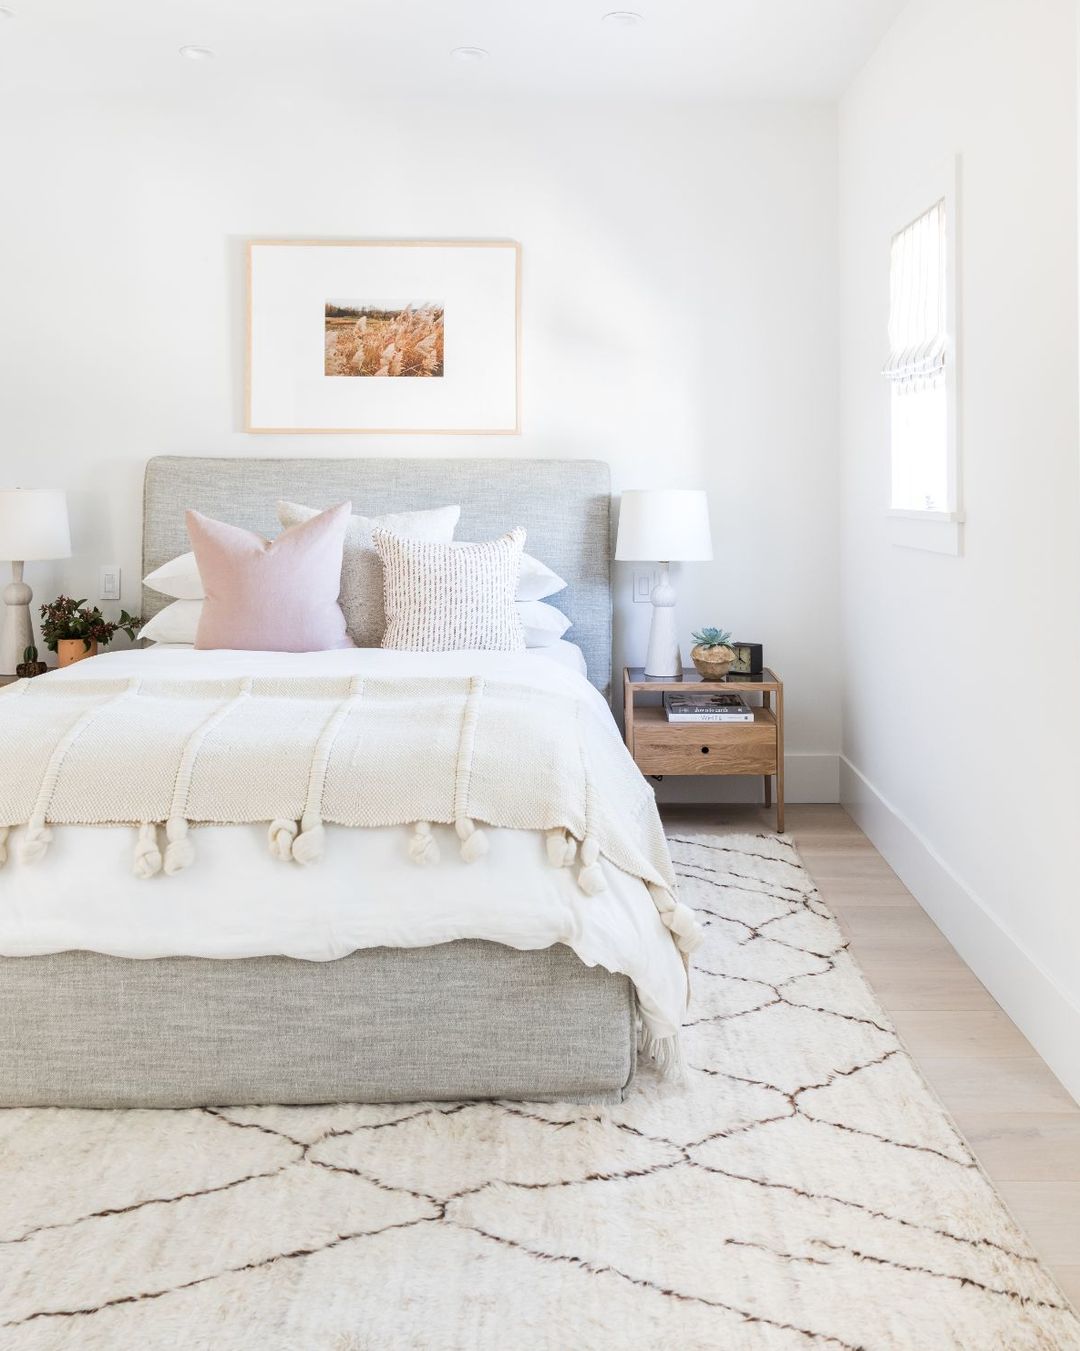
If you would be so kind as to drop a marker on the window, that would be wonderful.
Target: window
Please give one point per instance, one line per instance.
(921, 375)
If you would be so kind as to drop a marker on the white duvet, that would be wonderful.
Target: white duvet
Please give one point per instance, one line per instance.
(240, 902)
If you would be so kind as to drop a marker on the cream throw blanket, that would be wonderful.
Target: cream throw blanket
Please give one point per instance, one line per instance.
(295, 752)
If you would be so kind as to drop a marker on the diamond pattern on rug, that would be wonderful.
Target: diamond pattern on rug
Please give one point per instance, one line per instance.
(802, 1189)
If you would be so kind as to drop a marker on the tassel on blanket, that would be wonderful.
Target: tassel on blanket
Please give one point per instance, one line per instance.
(423, 847)
(309, 844)
(474, 843)
(561, 848)
(665, 1053)
(180, 851)
(4, 832)
(281, 835)
(147, 861)
(591, 878)
(678, 919)
(35, 843)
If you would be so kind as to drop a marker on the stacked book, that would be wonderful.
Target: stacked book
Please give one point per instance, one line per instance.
(707, 708)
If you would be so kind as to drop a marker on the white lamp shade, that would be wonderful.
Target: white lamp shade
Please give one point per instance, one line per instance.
(664, 525)
(33, 524)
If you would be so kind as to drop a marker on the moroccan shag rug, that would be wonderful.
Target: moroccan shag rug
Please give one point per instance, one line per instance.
(803, 1189)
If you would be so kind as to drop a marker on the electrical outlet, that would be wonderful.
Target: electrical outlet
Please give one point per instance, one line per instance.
(644, 582)
(110, 582)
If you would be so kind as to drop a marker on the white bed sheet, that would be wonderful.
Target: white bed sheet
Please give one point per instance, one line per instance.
(364, 893)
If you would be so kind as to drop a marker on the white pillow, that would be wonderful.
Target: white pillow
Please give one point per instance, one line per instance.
(543, 624)
(536, 581)
(179, 578)
(361, 596)
(451, 598)
(177, 623)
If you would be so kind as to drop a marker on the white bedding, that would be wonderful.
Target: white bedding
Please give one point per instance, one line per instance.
(363, 894)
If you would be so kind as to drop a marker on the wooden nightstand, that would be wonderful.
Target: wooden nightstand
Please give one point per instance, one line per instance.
(660, 747)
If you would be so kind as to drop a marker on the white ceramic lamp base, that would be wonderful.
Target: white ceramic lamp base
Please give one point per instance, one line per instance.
(664, 660)
(18, 631)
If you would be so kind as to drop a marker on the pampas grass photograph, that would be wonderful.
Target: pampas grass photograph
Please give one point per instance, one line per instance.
(388, 338)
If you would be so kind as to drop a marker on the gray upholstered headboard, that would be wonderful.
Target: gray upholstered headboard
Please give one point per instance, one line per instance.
(564, 504)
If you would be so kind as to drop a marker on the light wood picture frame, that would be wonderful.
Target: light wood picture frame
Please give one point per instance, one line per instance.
(386, 337)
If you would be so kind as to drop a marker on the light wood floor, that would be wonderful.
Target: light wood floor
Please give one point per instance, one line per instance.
(1020, 1122)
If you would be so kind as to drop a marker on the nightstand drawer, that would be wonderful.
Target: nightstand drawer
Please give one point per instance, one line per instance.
(662, 747)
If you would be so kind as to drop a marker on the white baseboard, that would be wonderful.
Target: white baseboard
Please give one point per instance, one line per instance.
(1045, 1014)
(807, 778)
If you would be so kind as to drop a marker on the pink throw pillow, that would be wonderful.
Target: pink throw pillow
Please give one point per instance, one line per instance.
(271, 595)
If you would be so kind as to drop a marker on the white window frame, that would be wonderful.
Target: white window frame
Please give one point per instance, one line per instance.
(936, 531)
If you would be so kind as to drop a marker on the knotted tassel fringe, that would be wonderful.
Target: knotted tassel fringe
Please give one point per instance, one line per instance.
(678, 919)
(147, 861)
(591, 878)
(665, 1053)
(4, 832)
(561, 848)
(35, 843)
(309, 845)
(474, 843)
(180, 851)
(423, 847)
(281, 835)
(682, 923)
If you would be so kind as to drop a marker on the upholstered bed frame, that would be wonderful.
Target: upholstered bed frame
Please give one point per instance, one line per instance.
(565, 505)
(465, 1019)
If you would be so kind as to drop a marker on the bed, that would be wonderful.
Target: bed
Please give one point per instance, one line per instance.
(365, 979)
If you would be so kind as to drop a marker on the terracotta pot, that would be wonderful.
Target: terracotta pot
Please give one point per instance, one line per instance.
(73, 649)
(713, 663)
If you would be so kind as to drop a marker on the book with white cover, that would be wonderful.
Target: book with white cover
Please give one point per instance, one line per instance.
(718, 707)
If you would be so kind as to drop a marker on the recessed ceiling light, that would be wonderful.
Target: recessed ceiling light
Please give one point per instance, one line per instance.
(624, 18)
(197, 53)
(470, 54)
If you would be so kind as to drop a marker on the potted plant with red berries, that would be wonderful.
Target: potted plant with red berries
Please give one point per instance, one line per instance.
(72, 629)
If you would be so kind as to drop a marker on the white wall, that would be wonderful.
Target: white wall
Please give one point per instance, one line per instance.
(679, 319)
(962, 718)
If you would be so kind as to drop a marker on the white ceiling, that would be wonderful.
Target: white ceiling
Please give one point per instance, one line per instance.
(686, 49)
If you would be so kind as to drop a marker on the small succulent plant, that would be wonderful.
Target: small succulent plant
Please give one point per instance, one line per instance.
(713, 638)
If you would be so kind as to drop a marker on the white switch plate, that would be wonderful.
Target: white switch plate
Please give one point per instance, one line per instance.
(645, 580)
(110, 582)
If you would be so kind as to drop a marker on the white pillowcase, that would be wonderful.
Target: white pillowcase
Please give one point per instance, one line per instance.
(543, 624)
(536, 581)
(178, 578)
(177, 623)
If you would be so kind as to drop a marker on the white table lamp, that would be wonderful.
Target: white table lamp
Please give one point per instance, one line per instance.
(664, 525)
(33, 526)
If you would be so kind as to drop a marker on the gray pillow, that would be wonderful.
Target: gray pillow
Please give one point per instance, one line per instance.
(361, 597)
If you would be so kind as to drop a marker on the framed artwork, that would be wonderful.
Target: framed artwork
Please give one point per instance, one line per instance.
(366, 336)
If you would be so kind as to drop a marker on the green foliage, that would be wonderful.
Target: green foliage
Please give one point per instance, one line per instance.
(67, 618)
(713, 638)
(29, 655)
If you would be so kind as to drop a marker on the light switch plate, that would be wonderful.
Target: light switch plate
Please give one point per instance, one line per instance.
(645, 579)
(110, 582)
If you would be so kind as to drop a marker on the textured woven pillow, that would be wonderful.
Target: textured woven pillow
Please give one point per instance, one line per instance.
(264, 596)
(451, 597)
(361, 596)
